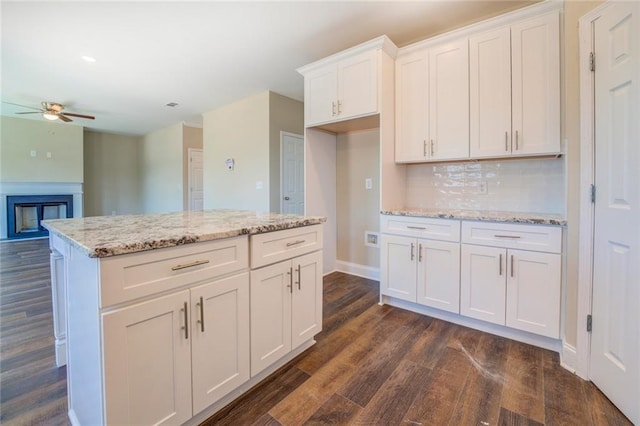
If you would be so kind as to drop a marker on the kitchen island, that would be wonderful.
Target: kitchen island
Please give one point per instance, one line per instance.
(166, 318)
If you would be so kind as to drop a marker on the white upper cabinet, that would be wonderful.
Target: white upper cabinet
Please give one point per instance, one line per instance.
(412, 106)
(345, 85)
(515, 89)
(432, 103)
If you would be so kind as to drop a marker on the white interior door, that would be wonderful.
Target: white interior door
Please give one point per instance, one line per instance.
(615, 357)
(292, 173)
(195, 178)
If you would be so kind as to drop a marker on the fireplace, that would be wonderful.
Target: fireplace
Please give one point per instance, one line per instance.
(25, 212)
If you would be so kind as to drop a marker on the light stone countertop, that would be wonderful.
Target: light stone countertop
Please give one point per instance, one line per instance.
(104, 236)
(482, 215)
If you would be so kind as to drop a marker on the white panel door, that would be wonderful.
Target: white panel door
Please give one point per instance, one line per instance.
(306, 304)
(439, 275)
(271, 289)
(482, 283)
(449, 101)
(535, 61)
(321, 94)
(412, 107)
(398, 267)
(615, 358)
(220, 338)
(147, 362)
(533, 292)
(357, 85)
(490, 93)
(292, 174)
(195, 179)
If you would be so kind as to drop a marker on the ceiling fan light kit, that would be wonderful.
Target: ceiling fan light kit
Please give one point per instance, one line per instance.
(50, 115)
(53, 111)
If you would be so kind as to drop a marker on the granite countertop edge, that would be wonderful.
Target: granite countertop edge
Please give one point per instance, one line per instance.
(479, 215)
(116, 247)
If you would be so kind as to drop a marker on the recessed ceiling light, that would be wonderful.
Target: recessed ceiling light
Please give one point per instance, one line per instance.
(172, 104)
(88, 59)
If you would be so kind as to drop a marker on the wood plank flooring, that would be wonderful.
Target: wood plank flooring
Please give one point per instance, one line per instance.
(372, 365)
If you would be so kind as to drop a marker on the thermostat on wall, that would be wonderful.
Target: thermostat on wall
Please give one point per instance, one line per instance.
(230, 163)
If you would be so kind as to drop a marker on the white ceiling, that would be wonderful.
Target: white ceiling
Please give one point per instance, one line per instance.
(201, 55)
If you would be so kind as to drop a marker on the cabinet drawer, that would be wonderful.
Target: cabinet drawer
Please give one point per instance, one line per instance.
(421, 227)
(526, 237)
(273, 247)
(137, 275)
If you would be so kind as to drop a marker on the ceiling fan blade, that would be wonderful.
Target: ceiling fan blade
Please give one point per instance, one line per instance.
(30, 112)
(72, 114)
(24, 106)
(63, 118)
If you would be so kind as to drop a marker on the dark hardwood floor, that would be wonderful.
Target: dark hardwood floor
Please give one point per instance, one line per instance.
(372, 365)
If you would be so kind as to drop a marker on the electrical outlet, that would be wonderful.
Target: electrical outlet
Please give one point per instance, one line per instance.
(259, 184)
(48, 155)
(368, 184)
(34, 153)
(483, 187)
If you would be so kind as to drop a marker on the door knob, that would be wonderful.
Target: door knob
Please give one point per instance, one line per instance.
(287, 198)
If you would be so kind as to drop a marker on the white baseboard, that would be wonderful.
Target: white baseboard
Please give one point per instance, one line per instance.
(363, 271)
(61, 352)
(569, 357)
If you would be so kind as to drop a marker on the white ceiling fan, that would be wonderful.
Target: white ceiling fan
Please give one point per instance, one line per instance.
(53, 111)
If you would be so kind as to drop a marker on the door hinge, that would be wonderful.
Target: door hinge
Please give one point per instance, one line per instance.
(592, 62)
(589, 323)
(593, 193)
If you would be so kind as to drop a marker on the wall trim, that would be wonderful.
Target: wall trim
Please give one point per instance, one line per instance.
(568, 357)
(358, 270)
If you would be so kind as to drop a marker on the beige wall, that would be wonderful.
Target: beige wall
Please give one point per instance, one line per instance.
(240, 131)
(191, 138)
(160, 165)
(111, 179)
(358, 209)
(571, 132)
(285, 115)
(20, 136)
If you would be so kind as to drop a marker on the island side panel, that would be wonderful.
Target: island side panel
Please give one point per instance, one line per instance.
(59, 252)
(84, 369)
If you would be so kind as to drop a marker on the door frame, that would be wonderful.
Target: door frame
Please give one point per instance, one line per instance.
(282, 135)
(587, 178)
(190, 152)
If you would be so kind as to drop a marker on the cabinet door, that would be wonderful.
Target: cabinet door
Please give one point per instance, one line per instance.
(321, 95)
(482, 283)
(306, 304)
(358, 85)
(398, 267)
(220, 338)
(147, 362)
(490, 93)
(449, 101)
(533, 292)
(536, 85)
(439, 275)
(271, 289)
(412, 107)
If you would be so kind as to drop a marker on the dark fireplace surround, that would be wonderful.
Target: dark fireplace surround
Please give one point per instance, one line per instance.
(25, 212)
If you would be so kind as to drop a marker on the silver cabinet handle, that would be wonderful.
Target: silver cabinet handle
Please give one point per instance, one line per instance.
(299, 278)
(422, 228)
(186, 321)
(500, 265)
(201, 320)
(339, 105)
(516, 140)
(506, 141)
(333, 108)
(412, 254)
(290, 285)
(420, 252)
(295, 243)
(432, 147)
(189, 265)
(506, 236)
(424, 148)
(511, 266)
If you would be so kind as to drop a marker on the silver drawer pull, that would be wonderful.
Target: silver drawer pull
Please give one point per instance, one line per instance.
(507, 236)
(190, 265)
(422, 228)
(295, 243)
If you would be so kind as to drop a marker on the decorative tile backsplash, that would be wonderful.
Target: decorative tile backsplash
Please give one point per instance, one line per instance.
(518, 185)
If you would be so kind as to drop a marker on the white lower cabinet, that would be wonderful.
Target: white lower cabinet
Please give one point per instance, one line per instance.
(286, 308)
(168, 358)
